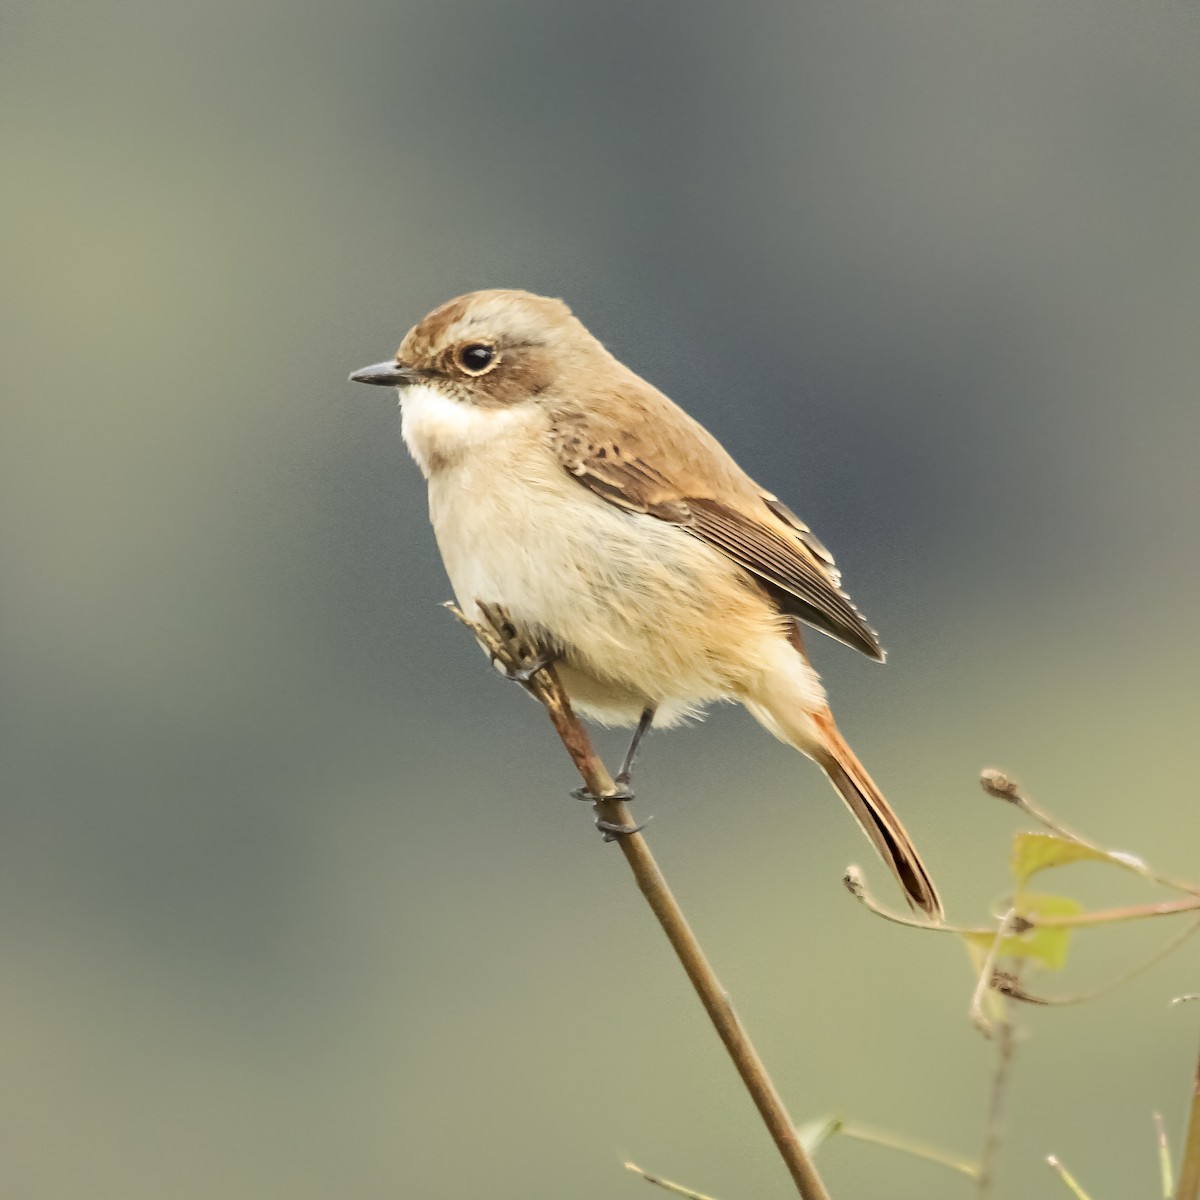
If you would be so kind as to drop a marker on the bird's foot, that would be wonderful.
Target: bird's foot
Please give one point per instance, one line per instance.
(620, 793)
(516, 655)
(529, 666)
(612, 831)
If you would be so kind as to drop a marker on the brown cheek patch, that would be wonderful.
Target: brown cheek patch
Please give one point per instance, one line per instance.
(513, 381)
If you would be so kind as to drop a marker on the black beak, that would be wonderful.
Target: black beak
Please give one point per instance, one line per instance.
(388, 374)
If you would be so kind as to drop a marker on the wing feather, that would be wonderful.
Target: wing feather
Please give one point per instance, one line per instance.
(782, 554)
(786, 565)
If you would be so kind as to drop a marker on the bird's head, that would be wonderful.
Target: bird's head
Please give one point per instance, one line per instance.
(492, 349)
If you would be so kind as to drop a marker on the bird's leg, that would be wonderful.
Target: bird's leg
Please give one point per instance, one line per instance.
(519, 658)
(626, 771)
(611, 830)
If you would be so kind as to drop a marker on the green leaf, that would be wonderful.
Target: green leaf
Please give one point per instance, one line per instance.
(1033, 852)
(1045, 946)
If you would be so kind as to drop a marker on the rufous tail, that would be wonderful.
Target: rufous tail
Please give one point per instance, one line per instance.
(874, 814)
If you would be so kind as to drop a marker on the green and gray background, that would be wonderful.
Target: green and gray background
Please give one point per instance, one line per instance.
(293, 902)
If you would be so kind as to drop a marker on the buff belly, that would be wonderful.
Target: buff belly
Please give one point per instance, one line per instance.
(638, 611)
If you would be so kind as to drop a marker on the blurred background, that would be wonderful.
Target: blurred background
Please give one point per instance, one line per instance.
(293, 902)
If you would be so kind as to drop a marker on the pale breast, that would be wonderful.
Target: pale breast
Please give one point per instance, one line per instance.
(632, 600)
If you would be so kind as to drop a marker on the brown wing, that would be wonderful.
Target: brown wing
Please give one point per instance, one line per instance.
(783, 555)
(813, 543)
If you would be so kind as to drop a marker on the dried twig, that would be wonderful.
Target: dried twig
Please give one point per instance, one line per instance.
(1007, 984)
(1004, 787)
(987, 973)
(1113, 916)
(666, 1184)
(499, 639)
(1071, 1182)
(1164, 1157)
(856, 884)
(1005, 1036)
(914, 1149)
(1189, 1168)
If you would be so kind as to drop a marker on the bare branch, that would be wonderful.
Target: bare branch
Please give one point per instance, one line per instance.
(855, 883)
(987, 971)
(1003, 787)
(1189, 1168)
(993, 1130)
(666, 1184)
(1007, 984)
(499, 639)
(1067, 1178)
(1112, 916)
(915, 1149)
(1164, 1157)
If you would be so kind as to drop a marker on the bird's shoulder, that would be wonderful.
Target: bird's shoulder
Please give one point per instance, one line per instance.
(641, 444)
(641, 452)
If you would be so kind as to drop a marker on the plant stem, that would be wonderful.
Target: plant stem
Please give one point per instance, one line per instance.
(1111, 916)
(500, 641)
(892, 1141)
(993, 1136)
(1189, 1169)
(1005, 788)
(716, 1003)
(1164, 1157)
(987, 972)
(1018, 993)
(1068, 1179)
(666, 1184)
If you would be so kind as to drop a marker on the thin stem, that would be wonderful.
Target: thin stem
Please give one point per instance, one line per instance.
(1071, 1182)
(856, 884)
(1017, 993)
(1005, 788)
(987, 973)
(993, 1134)
(1164, 1157)
(1189, 1169)
(666, 1184)
(892, 1141)
(1112, 916)
(499, 640)
(716, 1003)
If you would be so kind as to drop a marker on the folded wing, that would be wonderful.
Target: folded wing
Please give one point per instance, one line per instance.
(756, 530)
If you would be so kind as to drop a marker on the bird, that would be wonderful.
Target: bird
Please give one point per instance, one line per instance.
(624, 541)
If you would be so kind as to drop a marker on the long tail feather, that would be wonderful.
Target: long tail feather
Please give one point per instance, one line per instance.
(875, 815)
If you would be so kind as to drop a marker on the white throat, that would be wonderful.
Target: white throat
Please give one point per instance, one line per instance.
(439, 430)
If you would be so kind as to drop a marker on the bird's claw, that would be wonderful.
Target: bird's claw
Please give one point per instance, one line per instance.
(524, 673)
(619, 793)
(610, 829)
(613, 831)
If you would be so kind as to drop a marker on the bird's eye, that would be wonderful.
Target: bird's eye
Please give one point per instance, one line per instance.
(476, 358)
